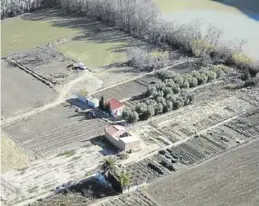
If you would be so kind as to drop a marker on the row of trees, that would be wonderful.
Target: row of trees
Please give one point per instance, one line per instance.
(171, 93)
(142, 19)
(11, 8)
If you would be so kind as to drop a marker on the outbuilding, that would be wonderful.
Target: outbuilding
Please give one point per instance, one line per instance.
(87, 99)
(121, 139)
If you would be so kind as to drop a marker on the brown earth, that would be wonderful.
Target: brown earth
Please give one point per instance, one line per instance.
(229, 179)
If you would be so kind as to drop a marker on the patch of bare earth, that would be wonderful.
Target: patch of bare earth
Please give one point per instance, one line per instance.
(22, 92)
(230, 179)
(13, 156)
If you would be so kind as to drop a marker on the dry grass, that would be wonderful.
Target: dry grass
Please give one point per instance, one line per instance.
(12, 156)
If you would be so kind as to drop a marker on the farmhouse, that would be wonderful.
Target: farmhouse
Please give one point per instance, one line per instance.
(121, 139)
(89, 100)
(115, 107)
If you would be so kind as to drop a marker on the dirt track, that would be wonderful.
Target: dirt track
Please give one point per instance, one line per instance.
(229, 179)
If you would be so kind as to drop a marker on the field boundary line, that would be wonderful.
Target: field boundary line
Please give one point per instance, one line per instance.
(59, 99)
(23, 147)
(32, 73)
(137, 77)
(248, 142)
(186, 139)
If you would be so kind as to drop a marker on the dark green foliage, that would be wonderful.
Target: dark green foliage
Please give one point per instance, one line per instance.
(151, 90)
(130, 115)
(193, 82)
(178, 79)
(185, 84)
(167, 90)
(163, 75)
(159, 108)
(176, 89)
(211, 75)
(141, 108)
(101, 103)
(202, 79)
(150, 111)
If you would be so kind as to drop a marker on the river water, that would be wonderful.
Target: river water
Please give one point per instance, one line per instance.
(238, 19)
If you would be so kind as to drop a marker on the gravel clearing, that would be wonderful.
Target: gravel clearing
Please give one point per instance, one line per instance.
(230, 179)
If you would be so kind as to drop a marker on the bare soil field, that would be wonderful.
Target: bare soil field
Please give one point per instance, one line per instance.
(50, 131)
(230, 179)
(138, 198)
(122, 91)
(47, 62)
(13, 156)
(21, 92)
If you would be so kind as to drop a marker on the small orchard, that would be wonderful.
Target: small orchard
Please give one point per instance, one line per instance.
(171, 93)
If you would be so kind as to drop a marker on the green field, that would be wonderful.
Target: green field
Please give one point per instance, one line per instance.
(19, 34)
(92, 54)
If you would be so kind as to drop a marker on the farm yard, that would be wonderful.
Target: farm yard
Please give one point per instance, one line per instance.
(55, 129)
(20, 91)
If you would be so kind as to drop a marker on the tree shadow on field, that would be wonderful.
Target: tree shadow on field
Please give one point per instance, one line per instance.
(249, 7)
(89, 30)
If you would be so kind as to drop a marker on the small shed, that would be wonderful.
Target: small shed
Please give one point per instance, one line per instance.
(87, 99)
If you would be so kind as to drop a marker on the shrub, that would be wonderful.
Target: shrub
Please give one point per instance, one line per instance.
(176, 89)
(133, 117)
(211, 75)
(170, 97)
(185, 84)
(141, 108)
(167, 90)
(169, 83)
(169, 106)
(160, 86)
(202, 79)
(165, 75)
(149, 112)
(178, 79)
(158, 94)
(191, 98)
(193, 82)
(161, 100)
(151, 90)
(159, 108)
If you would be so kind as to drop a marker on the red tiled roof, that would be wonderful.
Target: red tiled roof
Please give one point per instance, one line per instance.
(114, 104)
(115, 130)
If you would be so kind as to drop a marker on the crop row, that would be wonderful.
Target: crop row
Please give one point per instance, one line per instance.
(137, 198)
